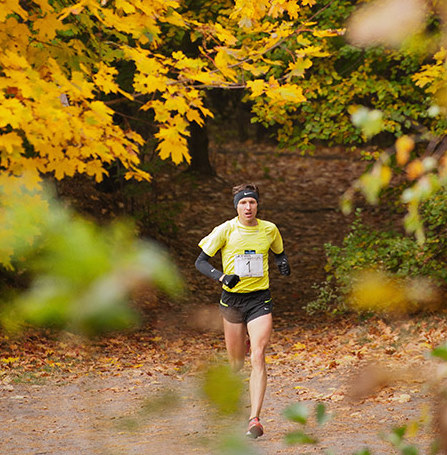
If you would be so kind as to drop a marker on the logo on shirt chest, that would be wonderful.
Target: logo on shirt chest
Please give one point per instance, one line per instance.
(250, 252)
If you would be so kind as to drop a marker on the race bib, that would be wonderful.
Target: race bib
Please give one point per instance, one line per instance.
(248, 265)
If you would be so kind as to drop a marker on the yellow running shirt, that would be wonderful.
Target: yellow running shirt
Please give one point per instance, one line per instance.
(244, 251)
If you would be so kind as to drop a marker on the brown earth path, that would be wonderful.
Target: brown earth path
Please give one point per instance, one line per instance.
(141, 392)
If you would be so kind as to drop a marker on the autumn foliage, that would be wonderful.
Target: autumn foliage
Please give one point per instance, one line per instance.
(62, 63)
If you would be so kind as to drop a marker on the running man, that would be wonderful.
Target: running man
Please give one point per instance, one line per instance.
(246, 304)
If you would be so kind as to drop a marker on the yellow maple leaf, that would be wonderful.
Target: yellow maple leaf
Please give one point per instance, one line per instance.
(14, 113)
(137, 174)
(125, 6)
(101, 110)
(326, 33)
(257, 87)
(193, 116)
(298, 67)
(48, 26)
(313, 51)
(95, 169)
(224, 35)
(105, 78)
(173, 144)
(223, 61)
(11, 142)
(64, 168)
(149, 83)
(280, 7)
(81, 85)
(174, 18)
(288, 93)
(13, 60)
(10, 7)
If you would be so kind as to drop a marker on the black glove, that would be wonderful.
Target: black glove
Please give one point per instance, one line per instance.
(283, 263)
(231, 280)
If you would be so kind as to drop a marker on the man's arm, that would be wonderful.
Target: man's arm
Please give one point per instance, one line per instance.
(202, 265)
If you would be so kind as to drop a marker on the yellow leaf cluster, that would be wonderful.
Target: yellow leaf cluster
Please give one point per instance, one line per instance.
(35, 111)
(278, 8)
(224, 35)
(433, 77)
(58, 60)
(285, 94)
(173, 142)
(249, 12)
(105, 78)
(374, 290)
(52, 110)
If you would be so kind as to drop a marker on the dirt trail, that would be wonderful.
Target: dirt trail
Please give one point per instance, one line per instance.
(141, 393)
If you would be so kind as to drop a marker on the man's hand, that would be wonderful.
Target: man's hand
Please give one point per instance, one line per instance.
(231, 280)
(283, 263)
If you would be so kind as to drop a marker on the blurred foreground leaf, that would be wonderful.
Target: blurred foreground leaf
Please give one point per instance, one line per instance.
(297, 412)
(375, 23)
(234, 445)
(299, 437)
(82, 275)
(223, 388)
(162, 403)
(363, 452)
(370, 121)
(440, 352)
(322, 414)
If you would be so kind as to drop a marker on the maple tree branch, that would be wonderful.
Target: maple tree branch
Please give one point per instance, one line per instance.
(274, 46)
(131, 117)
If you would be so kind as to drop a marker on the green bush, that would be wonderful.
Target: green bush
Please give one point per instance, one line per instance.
(389, 251)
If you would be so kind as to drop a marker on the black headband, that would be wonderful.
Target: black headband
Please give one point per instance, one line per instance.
(244, 193)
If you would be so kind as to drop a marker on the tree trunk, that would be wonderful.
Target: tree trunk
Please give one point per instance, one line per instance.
(198, 149)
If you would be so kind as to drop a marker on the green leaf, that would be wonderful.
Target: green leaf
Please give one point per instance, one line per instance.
(322, 416)
(434, 448)
(298, 437)
(440, 352)
(297, 412)
(410, 450)
(234, 445)
(396, 436)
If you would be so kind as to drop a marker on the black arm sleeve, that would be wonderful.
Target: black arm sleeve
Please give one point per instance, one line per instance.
(280, 256)
(203, 266)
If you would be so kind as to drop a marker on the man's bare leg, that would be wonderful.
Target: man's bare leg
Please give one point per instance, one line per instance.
(259, 331)
(235, 336)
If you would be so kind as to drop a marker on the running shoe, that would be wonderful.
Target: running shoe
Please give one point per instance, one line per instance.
(254, 428)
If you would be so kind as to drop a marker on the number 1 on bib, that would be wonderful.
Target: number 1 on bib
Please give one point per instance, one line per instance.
(248, 265)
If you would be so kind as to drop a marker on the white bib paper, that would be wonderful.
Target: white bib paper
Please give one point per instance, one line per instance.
(248, 265)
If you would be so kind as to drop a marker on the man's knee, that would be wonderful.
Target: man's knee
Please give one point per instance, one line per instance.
(257, 358)
(236, 364)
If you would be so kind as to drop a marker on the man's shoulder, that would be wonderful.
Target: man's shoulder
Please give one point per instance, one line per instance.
(267, 225)
(226, 226)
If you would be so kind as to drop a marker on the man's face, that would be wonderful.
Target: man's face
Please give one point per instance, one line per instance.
(247, 208)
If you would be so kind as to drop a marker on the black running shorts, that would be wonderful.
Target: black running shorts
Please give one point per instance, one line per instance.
(244, 307)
